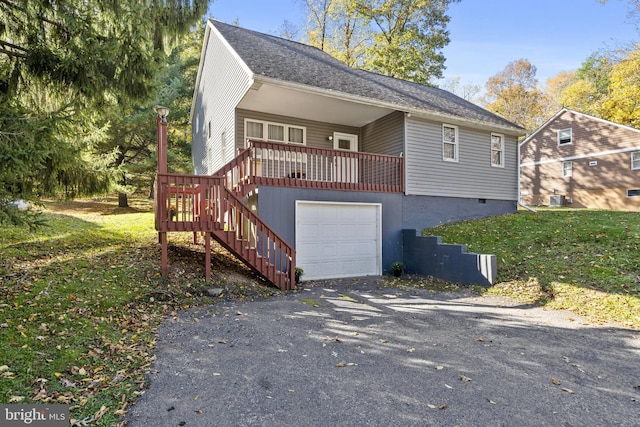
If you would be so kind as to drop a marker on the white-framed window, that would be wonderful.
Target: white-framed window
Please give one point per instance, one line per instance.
(565, 136)
(635, 160)
(497, 150)
(449, 143)
(567, 169)
(275, 132)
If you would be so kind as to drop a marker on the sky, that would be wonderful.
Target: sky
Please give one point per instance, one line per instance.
(485, 35)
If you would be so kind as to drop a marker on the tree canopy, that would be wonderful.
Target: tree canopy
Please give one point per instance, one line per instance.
(513, 94)
(66, 69)
(398, 38)
(90, 46)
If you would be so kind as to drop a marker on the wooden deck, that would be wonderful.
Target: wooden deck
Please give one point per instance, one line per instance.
(213, 205)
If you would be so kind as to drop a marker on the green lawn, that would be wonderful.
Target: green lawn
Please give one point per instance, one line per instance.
(586, 261)
(82, 297)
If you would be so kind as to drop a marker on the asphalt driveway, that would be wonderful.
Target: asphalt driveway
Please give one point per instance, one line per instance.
(351, 353)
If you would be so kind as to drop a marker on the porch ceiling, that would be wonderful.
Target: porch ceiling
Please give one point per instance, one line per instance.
(305, 105)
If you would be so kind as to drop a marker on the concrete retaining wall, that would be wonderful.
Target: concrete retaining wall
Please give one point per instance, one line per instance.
(428, 256)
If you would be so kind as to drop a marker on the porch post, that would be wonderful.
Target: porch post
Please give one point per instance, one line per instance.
(161, 121)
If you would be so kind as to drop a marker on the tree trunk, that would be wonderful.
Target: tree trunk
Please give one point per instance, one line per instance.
(123, 202)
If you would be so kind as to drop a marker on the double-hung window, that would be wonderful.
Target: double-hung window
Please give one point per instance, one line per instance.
(497, 150)
(635, 160)
(450, 143)
(275, 132)
(567, 169)
(565, 136)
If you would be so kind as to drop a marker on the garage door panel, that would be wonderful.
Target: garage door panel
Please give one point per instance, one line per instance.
(338, 239)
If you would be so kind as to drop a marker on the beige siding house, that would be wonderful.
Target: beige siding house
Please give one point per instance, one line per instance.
(582, 161)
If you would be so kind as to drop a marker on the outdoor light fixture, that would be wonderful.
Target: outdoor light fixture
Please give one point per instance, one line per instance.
(161, 111)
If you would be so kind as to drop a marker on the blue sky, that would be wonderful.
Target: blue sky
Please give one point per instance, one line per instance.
(554, 35)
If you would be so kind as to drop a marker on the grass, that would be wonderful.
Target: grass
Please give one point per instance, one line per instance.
(80, 300)
(585, 261)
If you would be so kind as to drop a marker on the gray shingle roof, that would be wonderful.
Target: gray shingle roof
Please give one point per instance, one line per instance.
(295, 62)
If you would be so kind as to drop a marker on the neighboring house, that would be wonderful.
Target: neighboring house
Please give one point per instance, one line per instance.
(338, 161)
(582, 161)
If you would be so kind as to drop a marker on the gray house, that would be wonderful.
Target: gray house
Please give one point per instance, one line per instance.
(332, 160)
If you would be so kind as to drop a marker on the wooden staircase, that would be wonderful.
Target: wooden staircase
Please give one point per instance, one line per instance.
(213, 205)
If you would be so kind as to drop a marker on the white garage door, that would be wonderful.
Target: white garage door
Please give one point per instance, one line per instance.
(338, 239)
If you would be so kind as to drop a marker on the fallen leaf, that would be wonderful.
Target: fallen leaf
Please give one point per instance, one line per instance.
(341, 364)
(198, 411)
(443, 406)
(336, 339)
(16, 399)
(448, 386)
(555, 381)
(491, 401)
(439, 368)
(383, 341)
(568, 390)
(479, 339)
(431, 406)
(464, 378)
(410, 350)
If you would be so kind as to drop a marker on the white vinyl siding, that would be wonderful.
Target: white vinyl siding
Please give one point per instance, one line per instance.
(226, 80)
(471, 177)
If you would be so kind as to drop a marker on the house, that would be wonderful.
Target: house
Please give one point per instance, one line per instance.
(582, 161)
(334, 161)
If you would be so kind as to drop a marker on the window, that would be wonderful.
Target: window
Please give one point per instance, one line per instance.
(633, 193)
(254, 130)
(565, 136)
(635, 160)
(497, 150)
(209, 129)
(567, 169)
(296, 135)
(275, 132)
(450, 143)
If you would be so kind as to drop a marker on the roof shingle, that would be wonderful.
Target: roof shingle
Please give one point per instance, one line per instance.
(295, 62)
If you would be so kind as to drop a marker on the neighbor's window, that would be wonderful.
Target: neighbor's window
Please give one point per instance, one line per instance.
(633, 193)
(567, 169)
(450, 143)
(275, 132)
(209, 129)
(635, 160)
(497, 150)
(565, 136)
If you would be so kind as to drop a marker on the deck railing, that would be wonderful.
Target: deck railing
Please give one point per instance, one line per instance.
(204, 204)
(293, 165)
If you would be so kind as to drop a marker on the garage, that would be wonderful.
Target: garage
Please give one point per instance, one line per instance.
(338, 239)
